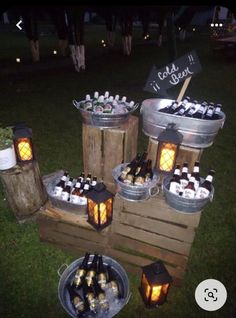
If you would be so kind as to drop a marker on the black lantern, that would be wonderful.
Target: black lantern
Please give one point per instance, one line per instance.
(155, 283)
(99, 206)
(23, 143)
(168, 146)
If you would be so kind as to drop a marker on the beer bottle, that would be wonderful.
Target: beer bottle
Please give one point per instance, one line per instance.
(129, 178)
(84, 192)
(217, 112)
(88, 105)
(209, 113)
(200, 112)
(206, 187)
(192, 109)
(113, 283)
(92, 270)
(184, 176)
(196, 175)
(182, 107)
(149, 173)
(129, 166)
(95, 98)
(81, 271)
(175, 181)
(101, 273)
(139, 178)
(75, 194)
(81, 177)
(189, 191)
(94, 182)
(169, 108)
(140, 162)
(106, 95)
(65, 195)
(60, 185)
(77, 301)
(99, 107)
(101, 296)
(90, 296)
(89, 177)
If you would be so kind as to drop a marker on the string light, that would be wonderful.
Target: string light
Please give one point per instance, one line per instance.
(17, 60)
(55, 52)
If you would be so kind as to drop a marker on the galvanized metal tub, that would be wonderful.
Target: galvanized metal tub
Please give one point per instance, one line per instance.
(183, 205)
(133, 192)
(103, 120)
(197, 133)
(50, 183)
(68, 275)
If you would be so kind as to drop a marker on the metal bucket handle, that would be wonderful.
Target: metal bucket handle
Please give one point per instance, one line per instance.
(128, 298)
(211, 195)
(64, 267)
(76, 103)
(155, 189)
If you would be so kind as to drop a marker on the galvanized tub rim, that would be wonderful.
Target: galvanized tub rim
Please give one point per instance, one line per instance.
(103, 120)
(135, 193)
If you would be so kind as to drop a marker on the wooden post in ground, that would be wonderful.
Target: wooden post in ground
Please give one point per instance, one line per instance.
(24, 190)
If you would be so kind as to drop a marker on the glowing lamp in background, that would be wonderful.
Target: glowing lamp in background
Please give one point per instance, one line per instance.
(168, 146)
(99, 206)
(23, 143)
(155, 282)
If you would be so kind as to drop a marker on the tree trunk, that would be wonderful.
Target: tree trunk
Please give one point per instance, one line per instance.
(24, 189)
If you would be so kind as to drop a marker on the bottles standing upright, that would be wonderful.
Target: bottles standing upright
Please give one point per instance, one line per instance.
(175, 181)
(205, 188)
(60, 185)
(65, 195)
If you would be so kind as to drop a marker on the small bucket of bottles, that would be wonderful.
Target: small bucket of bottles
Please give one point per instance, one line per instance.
(105, 111)
(82, 292)
(184, 204)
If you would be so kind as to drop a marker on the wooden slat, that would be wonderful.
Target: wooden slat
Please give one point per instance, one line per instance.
(113, 150)
(76, 230)
(131, 139)
(92, 150)
(117, 240)
(157, 208)
(151, 238)
(158, 227)
(152, 150)
(140, 261)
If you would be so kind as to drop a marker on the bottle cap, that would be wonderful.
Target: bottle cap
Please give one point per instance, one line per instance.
(96, 94)
(117, 97)
(131, 104)
(106, 95)
(101, 99)
(87, 97)
(124, 99)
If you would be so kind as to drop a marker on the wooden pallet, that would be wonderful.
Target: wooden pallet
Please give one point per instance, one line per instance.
(140, 233)
(118, 144)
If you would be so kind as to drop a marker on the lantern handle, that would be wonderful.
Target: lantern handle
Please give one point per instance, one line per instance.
(61, 269)
(128, 298)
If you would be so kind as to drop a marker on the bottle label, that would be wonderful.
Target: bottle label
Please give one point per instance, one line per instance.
(183, 183)
(89, 277)
(139, 181)
(64, 196)
(188, 193)
(174, 187)
(196, 184)
(93, 183)
(102, 280)
(75, 199)
(63, 178)
(78, 184)
(209, 178)
(57, 191)
(202, 193)
(69, 183)
(79, 306)
(77, 280)
(86, 186)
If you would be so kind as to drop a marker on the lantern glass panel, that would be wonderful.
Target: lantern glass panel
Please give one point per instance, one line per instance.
(167, 156)
(156, 292)
(24, 149)
(145, 287)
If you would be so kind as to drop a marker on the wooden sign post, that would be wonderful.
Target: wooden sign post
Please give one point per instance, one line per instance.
(180, 70)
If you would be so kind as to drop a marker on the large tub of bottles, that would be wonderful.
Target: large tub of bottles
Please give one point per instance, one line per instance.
(92, 302)
(105, 111)
(182, 204)
(132, 192)
(197, 132)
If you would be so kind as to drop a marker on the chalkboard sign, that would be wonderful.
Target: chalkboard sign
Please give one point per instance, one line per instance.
(174, 73)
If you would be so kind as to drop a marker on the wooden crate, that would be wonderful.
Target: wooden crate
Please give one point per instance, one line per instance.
(118, 144)
(140, 233)
(186, 154)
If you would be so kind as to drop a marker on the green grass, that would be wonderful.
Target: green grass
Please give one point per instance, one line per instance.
(43, 99)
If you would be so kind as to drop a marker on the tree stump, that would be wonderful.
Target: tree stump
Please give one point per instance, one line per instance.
(24, 190)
